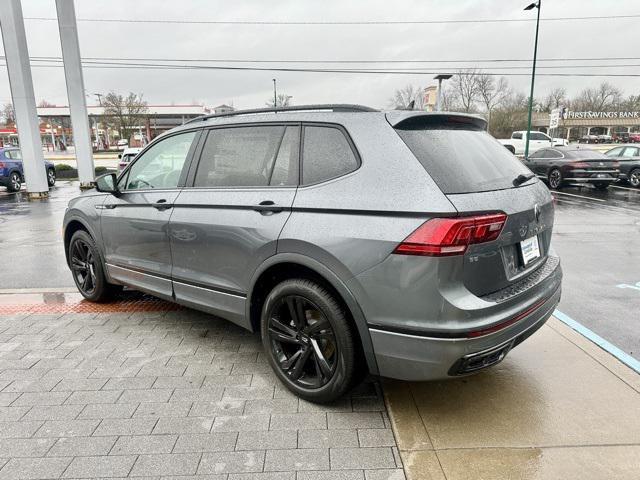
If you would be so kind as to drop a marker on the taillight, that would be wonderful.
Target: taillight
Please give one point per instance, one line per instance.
(442, 237)
(615, 164)
(580, 165)
(1, 164)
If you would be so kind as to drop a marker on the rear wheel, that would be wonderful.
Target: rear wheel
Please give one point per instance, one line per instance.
(555, 179)
(51, 176)
(634, 177)
(87, 268)
(308, 340)
(15, 182)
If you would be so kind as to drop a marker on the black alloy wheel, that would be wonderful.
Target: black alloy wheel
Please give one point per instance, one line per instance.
(634, 178)
(555, 179)
(308, 340)
(83, 266)
(87, 269)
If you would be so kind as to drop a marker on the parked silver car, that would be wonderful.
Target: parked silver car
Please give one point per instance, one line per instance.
(411, 243)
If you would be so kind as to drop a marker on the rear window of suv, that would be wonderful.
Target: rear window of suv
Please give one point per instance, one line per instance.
(460, 157)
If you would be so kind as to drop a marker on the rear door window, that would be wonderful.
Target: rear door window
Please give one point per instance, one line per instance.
(630, 152)
(460, 157)
(241, 157)
(326, 154)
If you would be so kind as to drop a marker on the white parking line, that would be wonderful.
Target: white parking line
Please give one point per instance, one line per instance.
(580, 196)
(625, 188)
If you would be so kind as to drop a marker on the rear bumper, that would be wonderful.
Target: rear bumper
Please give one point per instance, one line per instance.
(417, 358)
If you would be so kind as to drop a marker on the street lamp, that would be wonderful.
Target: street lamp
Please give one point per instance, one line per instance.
(275, 95)
(537, 5)
(440, 77)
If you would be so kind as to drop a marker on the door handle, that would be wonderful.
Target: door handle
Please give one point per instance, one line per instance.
(267, 206)
(162, 205)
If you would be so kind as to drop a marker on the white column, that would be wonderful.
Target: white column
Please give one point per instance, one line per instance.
(75, 91)
(24, 101)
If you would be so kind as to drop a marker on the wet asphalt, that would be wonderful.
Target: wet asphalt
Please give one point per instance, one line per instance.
(597, 235)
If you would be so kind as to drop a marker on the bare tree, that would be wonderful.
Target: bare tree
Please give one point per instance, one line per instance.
(465, 85)
(45, 103)
(554, 99)
(510, 115)
(8, 114)
(402, 98)
(124, 114)
(491, 93)
(604, 96)
(449, 100)
(282, 100)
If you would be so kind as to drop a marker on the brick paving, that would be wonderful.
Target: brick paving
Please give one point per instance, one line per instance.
(142, 392)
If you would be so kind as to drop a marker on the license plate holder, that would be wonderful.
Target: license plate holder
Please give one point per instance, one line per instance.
(530, 250)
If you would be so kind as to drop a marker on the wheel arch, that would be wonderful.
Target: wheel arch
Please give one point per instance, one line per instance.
(71, 226)
(292, 265)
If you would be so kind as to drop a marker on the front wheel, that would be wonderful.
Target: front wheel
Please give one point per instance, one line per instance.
(51, 177)
(87, 268)
(555, 179)
(634, 177)
(15, 182)
(308, 340)
(602, 186)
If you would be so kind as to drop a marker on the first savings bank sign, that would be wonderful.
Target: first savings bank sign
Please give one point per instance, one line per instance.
(603, 115)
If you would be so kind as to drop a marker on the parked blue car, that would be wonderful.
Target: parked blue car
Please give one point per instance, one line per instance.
(12, 172)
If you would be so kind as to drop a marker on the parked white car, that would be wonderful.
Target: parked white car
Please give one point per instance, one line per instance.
(126, 156)
(123, 143)
(537, 140)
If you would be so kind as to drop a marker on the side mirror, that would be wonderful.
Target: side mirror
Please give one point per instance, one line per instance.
(108, 183)
(119, 156)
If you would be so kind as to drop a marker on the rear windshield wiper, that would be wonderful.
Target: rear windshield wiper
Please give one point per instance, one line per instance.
(520, 179)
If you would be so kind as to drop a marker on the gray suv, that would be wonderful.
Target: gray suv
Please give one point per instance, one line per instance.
(411, 244)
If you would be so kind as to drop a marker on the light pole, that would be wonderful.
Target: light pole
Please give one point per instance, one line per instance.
(537, 5)
(439, 95)
(275, 95)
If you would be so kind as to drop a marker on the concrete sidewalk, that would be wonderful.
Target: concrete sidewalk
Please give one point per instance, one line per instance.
(558, 407)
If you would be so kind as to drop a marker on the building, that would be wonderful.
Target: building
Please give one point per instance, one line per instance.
(158, 119)
(223, 109)
(430, 98)
(575, 125)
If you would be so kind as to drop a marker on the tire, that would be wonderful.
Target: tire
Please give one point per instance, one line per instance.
(15, 182)
(316, 361)
(51, 176)
(634, 177)
(85, 261)
(602, 186)
(555, 179)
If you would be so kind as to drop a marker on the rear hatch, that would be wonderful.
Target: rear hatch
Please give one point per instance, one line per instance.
(477, 175)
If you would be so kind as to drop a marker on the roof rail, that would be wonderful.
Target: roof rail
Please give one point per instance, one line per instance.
(337, 107)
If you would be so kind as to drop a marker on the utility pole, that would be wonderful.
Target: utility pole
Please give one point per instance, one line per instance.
(537, 5)
(23, 98)
(275, 95)
(440, 78)
(75, 92)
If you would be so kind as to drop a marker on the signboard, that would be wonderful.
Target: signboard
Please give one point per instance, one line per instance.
(602, 115)
(554, 118)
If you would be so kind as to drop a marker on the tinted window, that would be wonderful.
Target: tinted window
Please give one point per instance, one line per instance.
(161, 165)
(537, 136)
(539, 154)
(239, 157)
(285, 169)
(614, 152)
(461, 159)
(14, 154)
(630, 152)
(587, 154)
(326, 154)
(553, 154)
(517, 136)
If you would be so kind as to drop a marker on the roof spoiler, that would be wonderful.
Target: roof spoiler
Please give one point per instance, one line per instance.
(413, 119)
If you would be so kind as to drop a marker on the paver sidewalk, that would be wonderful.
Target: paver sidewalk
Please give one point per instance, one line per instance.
(558, 407)
(169, 394)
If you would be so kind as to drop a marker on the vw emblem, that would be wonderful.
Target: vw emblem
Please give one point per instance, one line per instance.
(523, 230)
(536, 212)
(602, 164)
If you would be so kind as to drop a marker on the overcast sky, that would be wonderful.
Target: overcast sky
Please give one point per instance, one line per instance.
(570, 39)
